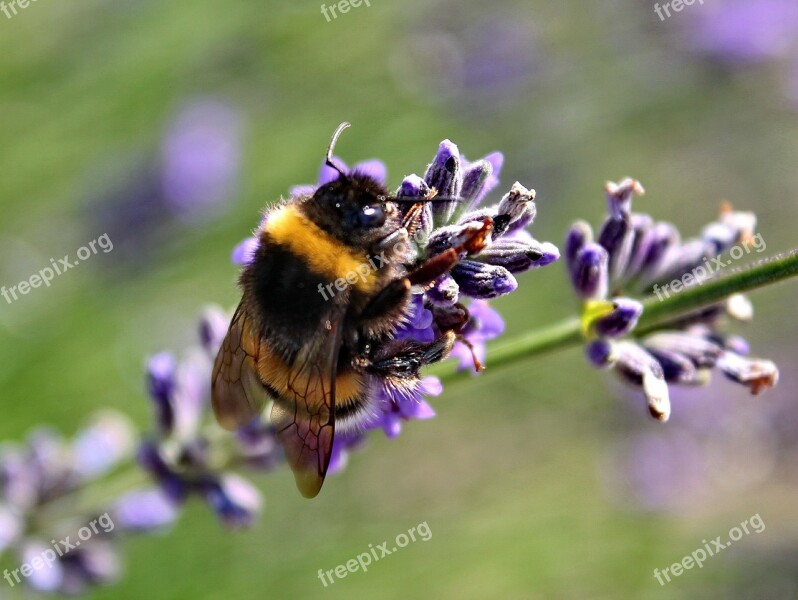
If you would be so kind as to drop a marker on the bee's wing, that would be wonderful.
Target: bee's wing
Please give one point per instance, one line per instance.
(237, 394)
(305, 417)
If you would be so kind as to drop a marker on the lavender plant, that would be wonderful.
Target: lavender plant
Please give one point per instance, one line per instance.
(745, 33)
(632, 252)
(50, 487)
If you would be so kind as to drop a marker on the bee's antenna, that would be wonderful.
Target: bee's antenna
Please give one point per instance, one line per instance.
(329, 158)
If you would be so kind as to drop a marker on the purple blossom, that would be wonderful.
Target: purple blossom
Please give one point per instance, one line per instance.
(49, 468)
(637, 254)
(194, 176)
(201, 156)
(144, 510)
(180, 458)
(747, 31)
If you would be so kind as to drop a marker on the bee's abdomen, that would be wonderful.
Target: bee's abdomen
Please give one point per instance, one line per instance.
(275, 373)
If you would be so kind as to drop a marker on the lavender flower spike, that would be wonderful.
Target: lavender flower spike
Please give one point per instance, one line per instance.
(634, 253)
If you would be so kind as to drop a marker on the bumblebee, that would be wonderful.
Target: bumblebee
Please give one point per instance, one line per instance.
(314, 331)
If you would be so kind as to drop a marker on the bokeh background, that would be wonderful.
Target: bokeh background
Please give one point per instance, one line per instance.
(170, 126)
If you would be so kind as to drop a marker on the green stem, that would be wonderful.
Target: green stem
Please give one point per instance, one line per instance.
(745, 279)
(567, 334)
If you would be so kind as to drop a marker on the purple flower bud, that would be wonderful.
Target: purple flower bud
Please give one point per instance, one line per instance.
(720, 237)
(94, 563)
(20, 483)
(683, 259)
(619, 196)
(642, 238)
(244, 253)
(475, 176)
(641, 369)
(162, 373)
(213, 325)
(616, 237)
(664, 237)
(107, 440)
(590, 273)
(328, 174)
(621, 320)
(495, 161)
(701, 351)
(48, 458)
(599, 352)
(517, 256)
(45, 579)
(373, 168)
(415, 187)
(578, 236)
(756, 374)
(412, 186)
(234, 499)
(150, 459)
(515, 211)
(144, 510)
(445, 175)
(677, 368)
(444, 291)
(737, 345)
(479, 280)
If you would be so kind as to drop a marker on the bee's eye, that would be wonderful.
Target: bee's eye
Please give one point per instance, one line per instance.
(371, 215)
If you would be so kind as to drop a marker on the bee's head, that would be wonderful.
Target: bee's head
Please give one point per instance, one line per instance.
(354, 207)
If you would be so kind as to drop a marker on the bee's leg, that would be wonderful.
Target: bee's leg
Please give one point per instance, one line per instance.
(400, 362)
(471, 242)
(393, 298)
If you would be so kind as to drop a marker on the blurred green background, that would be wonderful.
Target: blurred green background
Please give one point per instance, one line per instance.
(518, 477)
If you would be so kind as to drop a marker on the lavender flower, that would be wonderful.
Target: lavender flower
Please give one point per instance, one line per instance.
(743, 33)
(633, 253)
(194, 175)
(200, 157)
(183, 457)
(747, 31)
(38, 480)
